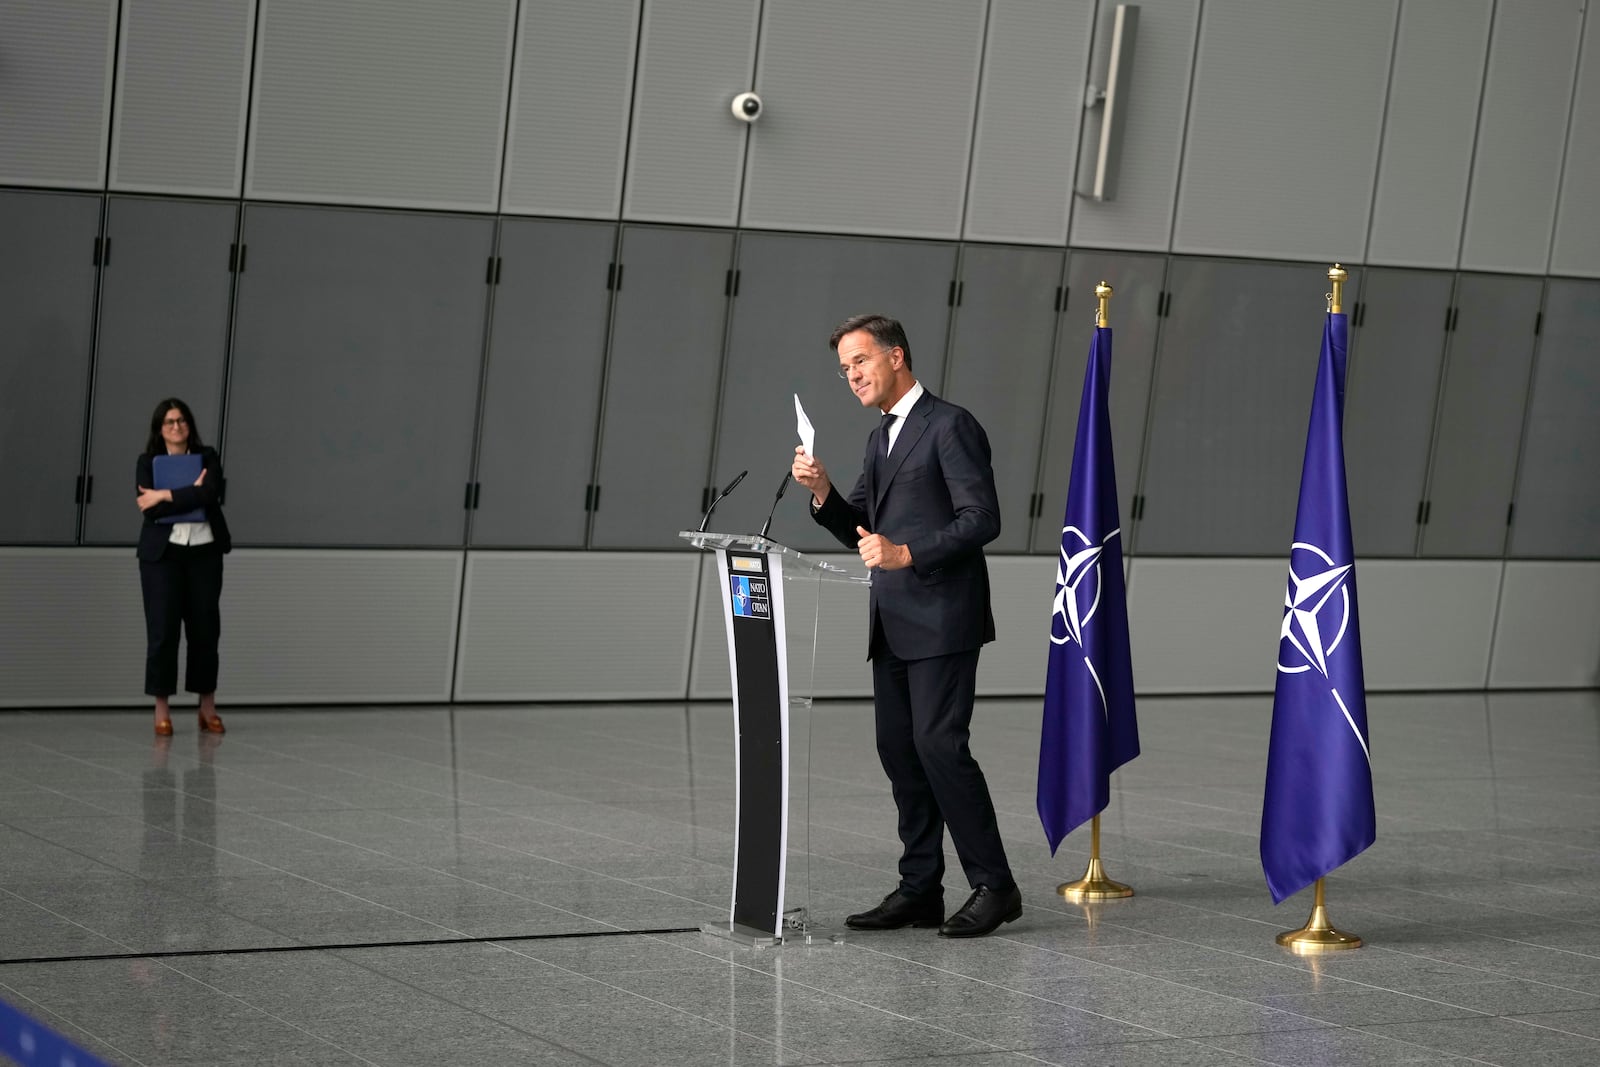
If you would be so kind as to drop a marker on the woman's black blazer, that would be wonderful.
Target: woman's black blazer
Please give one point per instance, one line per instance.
(154, 537)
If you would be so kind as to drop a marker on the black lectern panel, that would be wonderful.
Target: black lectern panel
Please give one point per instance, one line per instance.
(758, 869)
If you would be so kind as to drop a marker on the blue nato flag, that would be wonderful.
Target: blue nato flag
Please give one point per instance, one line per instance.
(1089, 727)
(1318, 811)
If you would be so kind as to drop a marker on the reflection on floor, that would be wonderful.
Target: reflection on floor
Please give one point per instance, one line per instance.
(1480, 902)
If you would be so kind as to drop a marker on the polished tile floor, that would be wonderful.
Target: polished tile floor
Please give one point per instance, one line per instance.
(524, 885)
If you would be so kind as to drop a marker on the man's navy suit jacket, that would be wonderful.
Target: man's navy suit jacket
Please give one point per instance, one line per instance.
(934, 494)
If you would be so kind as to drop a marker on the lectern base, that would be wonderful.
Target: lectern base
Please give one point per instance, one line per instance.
(794, 932)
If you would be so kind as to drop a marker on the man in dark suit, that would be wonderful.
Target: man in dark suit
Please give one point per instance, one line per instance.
(920, 514)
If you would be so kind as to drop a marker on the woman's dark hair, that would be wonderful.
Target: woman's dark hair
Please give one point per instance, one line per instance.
(157, 445)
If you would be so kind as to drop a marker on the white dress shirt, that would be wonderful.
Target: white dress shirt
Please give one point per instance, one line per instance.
(901, 409)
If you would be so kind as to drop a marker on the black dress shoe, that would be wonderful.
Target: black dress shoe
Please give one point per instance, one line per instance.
(983, 912)
(900, 909)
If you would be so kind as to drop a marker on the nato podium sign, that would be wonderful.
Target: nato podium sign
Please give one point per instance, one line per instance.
(753, 571)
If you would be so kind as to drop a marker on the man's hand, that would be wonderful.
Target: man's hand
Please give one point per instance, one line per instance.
(880, 552)
(810, 473)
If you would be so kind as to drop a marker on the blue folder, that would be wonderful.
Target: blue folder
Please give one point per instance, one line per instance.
(176, 472)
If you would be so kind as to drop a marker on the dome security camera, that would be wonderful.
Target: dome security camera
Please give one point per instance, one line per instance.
(746, 107)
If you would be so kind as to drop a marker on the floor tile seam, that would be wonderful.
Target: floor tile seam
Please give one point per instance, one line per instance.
(1165, 938)
(927, 1024)
(1509, 912)
(390, 978)
(522, 816)
(1525, 1017)
(1002, 1048)
(61, 1025)
(1585, 1041)
(265, 1012)
(1364, 986)
(68, 919)
(440, 766)
(401, 862)
(596, 874)
(615, 989)
(1170, 981)
(1593, 955)
(301, 947)
(1194, 1039)
(1204, 1043)
(1299, 1061)
(566, 864)
(1587, 854)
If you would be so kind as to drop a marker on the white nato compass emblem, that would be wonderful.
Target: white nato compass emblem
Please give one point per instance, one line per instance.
(1310, 625)
(1316, 617)
(1077, 586)
(1078, 595)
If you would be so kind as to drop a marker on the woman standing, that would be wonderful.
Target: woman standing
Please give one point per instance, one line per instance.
(180, 567)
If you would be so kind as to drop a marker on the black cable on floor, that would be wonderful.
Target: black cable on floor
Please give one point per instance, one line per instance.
(179, 953)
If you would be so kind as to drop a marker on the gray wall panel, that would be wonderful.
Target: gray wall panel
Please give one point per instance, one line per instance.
(571, 93)
(1141, 215)
(838, 636)
(1426, 625)
(348, 625)
(1549, 626)
(182, 81)
(1428, 132)
(1558, 483)
(1577, 238)
(354, 382)
(314, 627)
(660, 403)
(74, 628)
(1005, 331)
(1480, 416)
(686, 159)
(1136, 282)
(1035, 61)
(1021, 591)
(55, 91)
(394, 102)
(297, 627)
(1527, 93)
(1206, 626)
(1233, 390)
(1391, 390)
(1284, 123)
(822, 68)
(163, 332)
(793, 292)
(570, 626)
(47, 282)
(542, 394)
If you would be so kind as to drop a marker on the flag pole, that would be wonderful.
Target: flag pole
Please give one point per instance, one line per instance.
(1094, 885)
(1318, 935)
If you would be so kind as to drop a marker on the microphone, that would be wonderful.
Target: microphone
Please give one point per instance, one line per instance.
(788, 476)
(731, 487)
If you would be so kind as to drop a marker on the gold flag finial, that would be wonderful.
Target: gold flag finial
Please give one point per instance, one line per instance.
(1102, 317)
(1337, 276)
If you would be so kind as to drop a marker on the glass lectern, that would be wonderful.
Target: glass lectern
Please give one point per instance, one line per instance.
(766, 641)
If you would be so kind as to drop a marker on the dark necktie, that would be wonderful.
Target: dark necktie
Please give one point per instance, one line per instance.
(885, 426)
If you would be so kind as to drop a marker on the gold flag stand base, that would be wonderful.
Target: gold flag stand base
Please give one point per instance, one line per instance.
(1094, 885)
(1318, 934)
